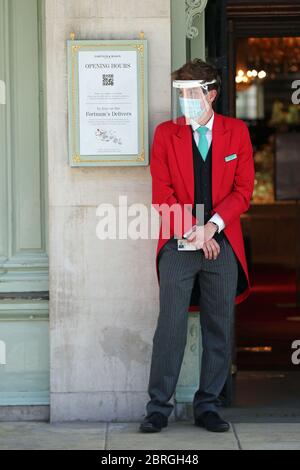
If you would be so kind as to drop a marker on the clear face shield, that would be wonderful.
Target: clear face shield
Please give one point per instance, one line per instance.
(189, 101)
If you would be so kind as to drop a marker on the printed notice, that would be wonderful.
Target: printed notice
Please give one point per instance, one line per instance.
(108, 102)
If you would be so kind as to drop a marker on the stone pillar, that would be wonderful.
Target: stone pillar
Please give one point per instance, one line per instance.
(103, 294)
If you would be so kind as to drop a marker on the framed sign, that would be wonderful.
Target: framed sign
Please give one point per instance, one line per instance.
(108, 102)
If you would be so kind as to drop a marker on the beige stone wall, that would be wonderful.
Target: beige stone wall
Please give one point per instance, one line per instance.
(103, 294)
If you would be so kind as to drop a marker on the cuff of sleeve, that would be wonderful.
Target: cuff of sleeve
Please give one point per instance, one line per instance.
(218, 219)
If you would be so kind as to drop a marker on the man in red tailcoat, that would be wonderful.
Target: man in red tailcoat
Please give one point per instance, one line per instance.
(199, 159)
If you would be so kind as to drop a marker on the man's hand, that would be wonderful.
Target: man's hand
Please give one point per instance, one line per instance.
(202, 237)
(211, 249)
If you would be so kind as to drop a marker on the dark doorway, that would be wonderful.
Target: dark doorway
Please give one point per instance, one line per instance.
(257, 54)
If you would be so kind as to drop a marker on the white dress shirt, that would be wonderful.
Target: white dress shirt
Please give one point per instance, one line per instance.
(216, 217)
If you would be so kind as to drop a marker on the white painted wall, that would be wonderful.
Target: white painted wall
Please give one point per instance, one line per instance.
(103, 294)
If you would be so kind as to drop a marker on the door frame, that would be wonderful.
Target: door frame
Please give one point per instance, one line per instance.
(257, 18)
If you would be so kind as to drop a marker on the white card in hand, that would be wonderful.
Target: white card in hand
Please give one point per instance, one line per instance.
(184, 245)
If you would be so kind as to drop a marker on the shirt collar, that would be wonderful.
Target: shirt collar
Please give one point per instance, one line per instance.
(209, 124)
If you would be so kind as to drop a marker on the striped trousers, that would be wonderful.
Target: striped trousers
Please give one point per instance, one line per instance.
(218, 282)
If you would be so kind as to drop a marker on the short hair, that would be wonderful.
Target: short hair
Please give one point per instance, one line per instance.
(197, 69)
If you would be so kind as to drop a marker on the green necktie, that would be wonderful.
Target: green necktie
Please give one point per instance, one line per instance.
(203, 144)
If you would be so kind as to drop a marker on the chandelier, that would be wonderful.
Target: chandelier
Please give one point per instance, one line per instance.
(258, 58)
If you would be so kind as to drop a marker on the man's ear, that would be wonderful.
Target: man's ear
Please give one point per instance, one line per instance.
(212, 95)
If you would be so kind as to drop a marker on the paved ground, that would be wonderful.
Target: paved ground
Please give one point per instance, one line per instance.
(179, 435)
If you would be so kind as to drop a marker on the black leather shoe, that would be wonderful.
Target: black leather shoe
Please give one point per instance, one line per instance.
(154, 422)
(212, 422)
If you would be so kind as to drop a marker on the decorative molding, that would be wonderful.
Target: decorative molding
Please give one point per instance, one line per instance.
(263, 9)
(193, 8)
(23, 257)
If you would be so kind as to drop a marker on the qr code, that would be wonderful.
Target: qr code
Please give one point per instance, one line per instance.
(108, 80)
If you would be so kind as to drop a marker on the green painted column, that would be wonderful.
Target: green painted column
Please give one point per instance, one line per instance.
(178, 33)
(187, 30)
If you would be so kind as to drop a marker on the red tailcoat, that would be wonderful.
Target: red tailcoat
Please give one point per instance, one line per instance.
(172, 172)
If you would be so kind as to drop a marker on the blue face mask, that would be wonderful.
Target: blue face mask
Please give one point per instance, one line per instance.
(191, 107)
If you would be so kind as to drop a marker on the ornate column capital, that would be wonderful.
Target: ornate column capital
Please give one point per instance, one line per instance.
(193, 8)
